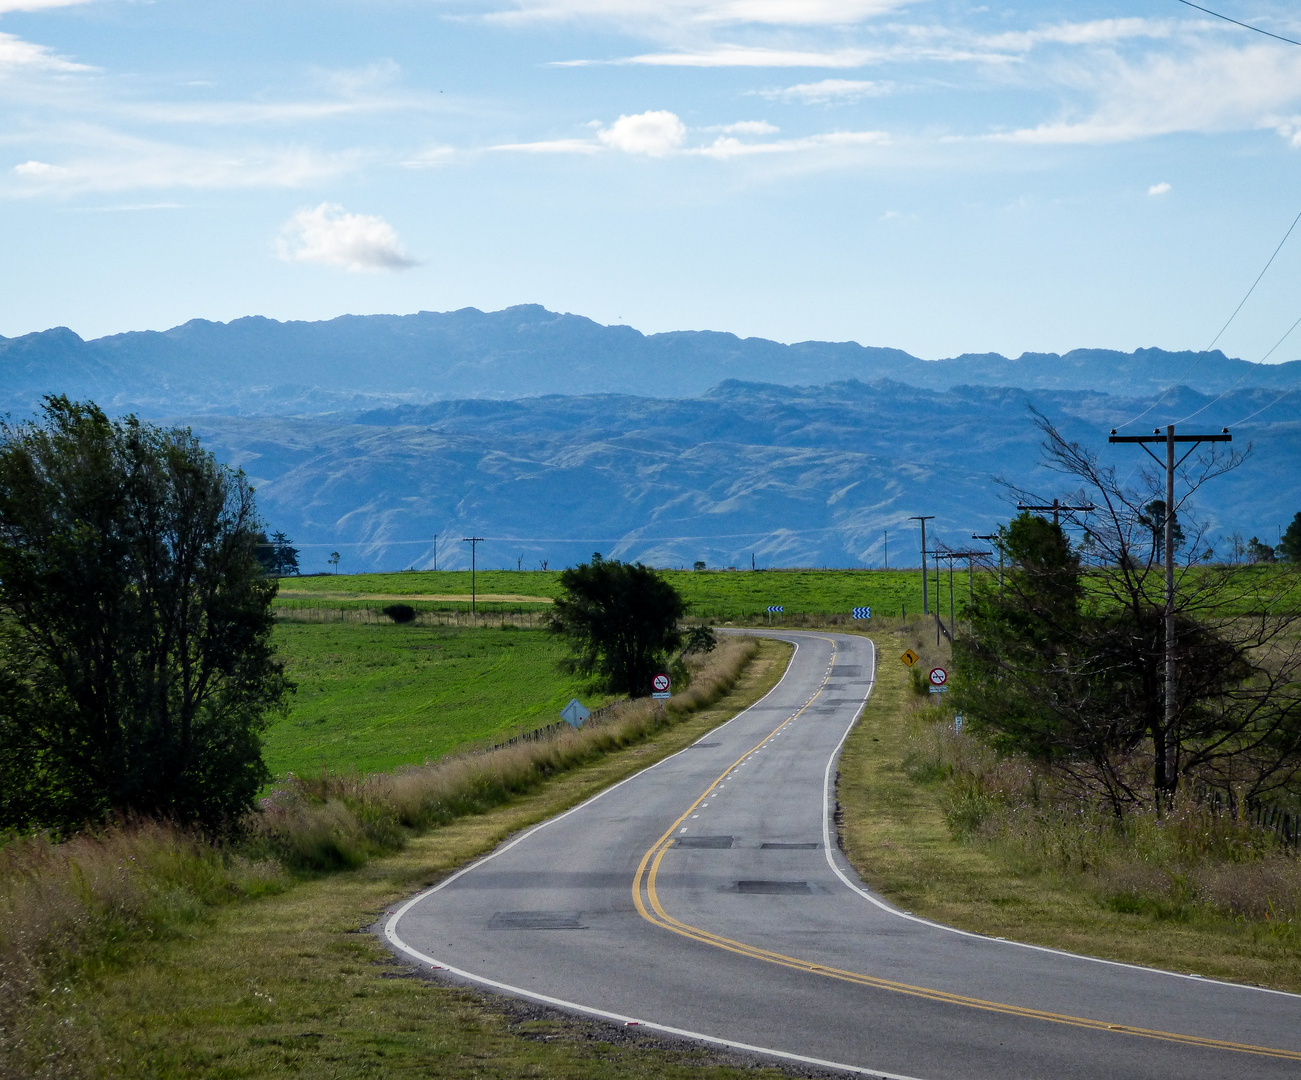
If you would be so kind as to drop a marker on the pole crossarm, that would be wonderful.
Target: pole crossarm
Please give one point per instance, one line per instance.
(1158, 436)
(1057, 508)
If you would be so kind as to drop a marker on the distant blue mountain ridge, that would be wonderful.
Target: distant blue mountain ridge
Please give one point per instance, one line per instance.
(555, 436)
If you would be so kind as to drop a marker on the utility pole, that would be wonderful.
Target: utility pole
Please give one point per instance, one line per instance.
(1169, 465)
(1056, 508)
(924, 518)
(994, 538)
(474, 542)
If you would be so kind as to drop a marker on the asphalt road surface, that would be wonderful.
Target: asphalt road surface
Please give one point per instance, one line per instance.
(705, 896)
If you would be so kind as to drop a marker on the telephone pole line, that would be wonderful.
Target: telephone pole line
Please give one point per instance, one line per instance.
(1169, 465)
(474, 542)
(924, 518)
(994, 538)
(1056, 508)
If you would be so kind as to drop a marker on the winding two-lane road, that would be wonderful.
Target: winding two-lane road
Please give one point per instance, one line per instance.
(706, 896)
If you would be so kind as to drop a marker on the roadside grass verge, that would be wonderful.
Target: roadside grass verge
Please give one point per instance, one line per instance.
(146, 952)
(374, 697)
(1169, 895)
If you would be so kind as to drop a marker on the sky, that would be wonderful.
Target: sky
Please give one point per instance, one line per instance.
(933, 176)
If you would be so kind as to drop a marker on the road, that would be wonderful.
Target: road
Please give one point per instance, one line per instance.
(706, 896)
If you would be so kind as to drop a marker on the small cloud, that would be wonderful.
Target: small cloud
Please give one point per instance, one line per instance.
(654, 133)
(329, 235)
(17, 54)
(748, 127)
(40, 169)
(1158, 189)
(891, 215)
(431, 157)
(828, 90)
(551, 146)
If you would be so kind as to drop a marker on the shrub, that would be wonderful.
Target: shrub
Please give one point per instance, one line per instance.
(400, 613)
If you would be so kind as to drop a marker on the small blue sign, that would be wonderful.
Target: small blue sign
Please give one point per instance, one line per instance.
(862, 612)
(575, 713)
(775, 607)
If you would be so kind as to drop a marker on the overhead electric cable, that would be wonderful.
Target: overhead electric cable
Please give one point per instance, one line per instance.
(1245, 26)
(1238, 381)
(1202, 355)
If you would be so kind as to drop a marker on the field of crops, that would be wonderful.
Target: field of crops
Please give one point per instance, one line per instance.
(374, 696)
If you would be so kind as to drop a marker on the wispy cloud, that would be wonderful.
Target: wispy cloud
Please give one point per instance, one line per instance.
(110, 162)
(1210, 90)
(18, 55)
(743, 56)
(726, 146)
(36, 5)
(828, 90)
(1159, 189)
(329, 235)
(687, 13)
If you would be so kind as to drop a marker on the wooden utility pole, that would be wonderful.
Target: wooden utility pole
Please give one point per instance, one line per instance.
(994, 538)
(924, 518)
(474, 542)
(1169, 465)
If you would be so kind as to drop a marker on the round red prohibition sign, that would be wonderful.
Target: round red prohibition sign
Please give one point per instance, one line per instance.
(939, 676)
(660, 683)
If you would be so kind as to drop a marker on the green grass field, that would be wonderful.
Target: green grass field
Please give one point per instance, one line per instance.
(373, 697)
(711, 593)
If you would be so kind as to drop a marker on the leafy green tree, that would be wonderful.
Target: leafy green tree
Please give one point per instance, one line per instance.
(1290, 544)
(621, 621)
(136, 662)
(1153, 518)
(1260, 553)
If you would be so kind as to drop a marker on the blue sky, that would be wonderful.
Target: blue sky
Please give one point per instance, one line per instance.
(939, 177)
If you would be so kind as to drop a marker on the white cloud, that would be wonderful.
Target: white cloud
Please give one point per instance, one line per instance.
(551, 146)
(329, 235)
(828, 90)
(743, 56)
(432, 157)
(1208, 90)
(1158, 189)
(686, 13)
(36, 5)
(654, 133)
(1096, 32)
(17, 55)
(729, 147)
(747, 127)
(113, 162)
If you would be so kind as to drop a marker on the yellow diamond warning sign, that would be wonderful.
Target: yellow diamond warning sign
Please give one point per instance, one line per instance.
(909, 657)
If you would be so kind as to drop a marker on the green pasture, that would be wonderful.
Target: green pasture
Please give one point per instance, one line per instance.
(711, 593)
(716, 594)
(375, 696)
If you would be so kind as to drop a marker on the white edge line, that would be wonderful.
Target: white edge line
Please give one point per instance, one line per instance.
(391, 933)
(828, 848)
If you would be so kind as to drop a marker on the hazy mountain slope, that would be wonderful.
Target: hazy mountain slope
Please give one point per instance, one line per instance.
(258, 365)
(798, 476)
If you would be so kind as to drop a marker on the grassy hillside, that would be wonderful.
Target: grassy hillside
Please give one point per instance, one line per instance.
(371, 697)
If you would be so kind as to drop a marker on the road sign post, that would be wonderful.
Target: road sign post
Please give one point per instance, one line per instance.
(660, 687)
(862, 613)
(909, 657)
(938, 678)
(575, 713)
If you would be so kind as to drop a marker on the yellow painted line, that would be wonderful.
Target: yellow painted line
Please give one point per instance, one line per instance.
(648, 871)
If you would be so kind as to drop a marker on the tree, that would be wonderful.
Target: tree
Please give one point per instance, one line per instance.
(621, 620)
(136, 662)
(334, 560)
(276, 554)
(1260, 553)
(1153, 517)
(698, 565)
(1290, 544)
(1068, 665)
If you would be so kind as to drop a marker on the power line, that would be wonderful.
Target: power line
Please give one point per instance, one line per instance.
(1238, 382)
(1245, 26)
(1202, 355)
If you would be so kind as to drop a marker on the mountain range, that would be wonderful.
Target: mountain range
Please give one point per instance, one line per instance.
(554, 436)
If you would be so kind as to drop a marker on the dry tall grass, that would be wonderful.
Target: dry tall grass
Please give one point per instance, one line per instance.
(339, 820)
(69, 909)
(1191, 859)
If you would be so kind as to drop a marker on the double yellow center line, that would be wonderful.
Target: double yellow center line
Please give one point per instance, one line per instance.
(646, 898)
